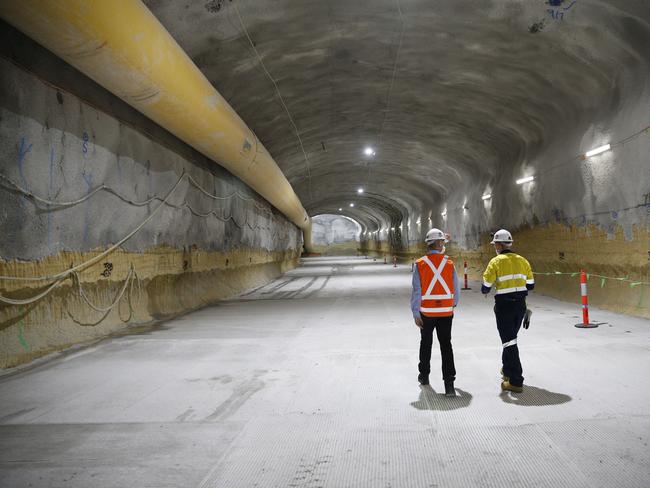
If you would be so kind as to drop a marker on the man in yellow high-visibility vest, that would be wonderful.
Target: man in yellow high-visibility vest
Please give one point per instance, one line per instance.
(513, 278)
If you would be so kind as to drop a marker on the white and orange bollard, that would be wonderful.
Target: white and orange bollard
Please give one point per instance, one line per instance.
(394, 261)
(385, 259)
(466, 287)
(585, 304)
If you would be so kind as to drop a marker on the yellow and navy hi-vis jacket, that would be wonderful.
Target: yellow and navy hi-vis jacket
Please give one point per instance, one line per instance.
(511, 273)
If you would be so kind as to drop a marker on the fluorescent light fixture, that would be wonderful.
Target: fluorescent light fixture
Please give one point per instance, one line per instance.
(369, 151)
(360, 190)
(352, 205)
(527, 179)
(487, 196)
(392, 228)
(418, 222)
(340, 210)
(598, 150)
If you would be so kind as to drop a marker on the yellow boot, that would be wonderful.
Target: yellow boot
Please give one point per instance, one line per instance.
(505, 385)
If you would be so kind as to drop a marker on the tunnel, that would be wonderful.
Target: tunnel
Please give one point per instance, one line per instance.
(232, 231)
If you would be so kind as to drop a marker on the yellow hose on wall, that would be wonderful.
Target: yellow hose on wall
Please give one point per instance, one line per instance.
(122, 46)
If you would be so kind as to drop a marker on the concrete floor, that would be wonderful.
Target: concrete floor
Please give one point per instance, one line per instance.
(311, 381)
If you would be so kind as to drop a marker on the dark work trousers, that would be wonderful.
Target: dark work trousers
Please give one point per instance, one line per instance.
(510, 314)
(443, 331)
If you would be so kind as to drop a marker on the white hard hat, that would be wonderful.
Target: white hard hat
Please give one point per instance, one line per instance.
(435, 235)
(502, 236)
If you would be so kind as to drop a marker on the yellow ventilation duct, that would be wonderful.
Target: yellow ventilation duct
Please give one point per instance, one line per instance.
(124, 48)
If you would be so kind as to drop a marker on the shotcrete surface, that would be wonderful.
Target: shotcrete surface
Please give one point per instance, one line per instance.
(458, 98)
(311, 381)
(335, 234)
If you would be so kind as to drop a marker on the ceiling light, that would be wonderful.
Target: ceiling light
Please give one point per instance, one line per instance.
(392, 228)
(340, 209)
(369, 151)
(444, 214)
(486, 196)
(598, 150)
(352, 205)
(527, 179)
(360, 190)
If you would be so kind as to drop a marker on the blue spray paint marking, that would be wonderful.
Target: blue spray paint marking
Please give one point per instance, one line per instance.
(22, 152)
(84, 144)
(558, 13)
(89, 181)
(49, 195)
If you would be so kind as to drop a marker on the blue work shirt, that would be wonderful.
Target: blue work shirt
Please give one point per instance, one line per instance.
(416, 293)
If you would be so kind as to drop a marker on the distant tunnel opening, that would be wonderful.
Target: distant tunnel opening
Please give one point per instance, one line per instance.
(335, 234)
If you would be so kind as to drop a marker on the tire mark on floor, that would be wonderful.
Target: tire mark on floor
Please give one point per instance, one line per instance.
(238, 397)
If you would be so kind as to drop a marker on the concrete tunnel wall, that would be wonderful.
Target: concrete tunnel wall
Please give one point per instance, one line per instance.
(335, 234)
(591, 214)
(59, 147)
(579, 213)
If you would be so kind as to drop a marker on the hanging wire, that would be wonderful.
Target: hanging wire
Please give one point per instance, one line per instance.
(633, 283)
(277, 91)
(73, 271)
(71, 203)
(129, 278)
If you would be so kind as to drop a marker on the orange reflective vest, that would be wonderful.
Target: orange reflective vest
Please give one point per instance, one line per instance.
(437, 283)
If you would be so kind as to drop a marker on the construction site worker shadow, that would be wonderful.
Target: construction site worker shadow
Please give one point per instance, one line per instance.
(430, 400)
(534, 397)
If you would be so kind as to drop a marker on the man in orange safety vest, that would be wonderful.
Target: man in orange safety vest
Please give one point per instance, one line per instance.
(433, 299)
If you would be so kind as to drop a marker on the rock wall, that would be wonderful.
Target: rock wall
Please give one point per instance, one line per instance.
(75, 180)
(579, 213)
(335, 234)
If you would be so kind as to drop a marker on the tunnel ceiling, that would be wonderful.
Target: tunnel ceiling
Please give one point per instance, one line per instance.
(444, 91)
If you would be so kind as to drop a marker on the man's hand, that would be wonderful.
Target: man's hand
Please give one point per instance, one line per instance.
(418, 322)
(526, 322)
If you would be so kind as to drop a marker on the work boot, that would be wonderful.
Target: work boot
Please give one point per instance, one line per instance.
(449, 389)
(423, 379)
(505, 385)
